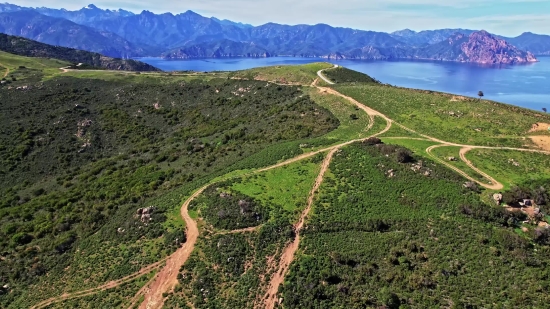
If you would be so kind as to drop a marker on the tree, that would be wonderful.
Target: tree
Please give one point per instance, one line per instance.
(544, 109)
(403, 156)
(480, 94)
(353, 117)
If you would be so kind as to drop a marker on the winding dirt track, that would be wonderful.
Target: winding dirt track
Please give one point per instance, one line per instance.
(495, 185)
(166, 279)
(107, 286)
(277, 279)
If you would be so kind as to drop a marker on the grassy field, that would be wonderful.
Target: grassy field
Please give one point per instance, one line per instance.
(150, 140)
(450, 118)
(397, 131)
(511, 167)
(353, 122)
(287, 187)
(285, 74)
(417, 146)
(29, 69)
(444, 153)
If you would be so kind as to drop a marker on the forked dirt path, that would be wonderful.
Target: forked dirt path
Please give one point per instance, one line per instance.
(107, 286)
(494, 184)
(166, 279)
(277, 279)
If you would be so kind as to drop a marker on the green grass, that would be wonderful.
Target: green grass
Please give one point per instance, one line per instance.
(397, 131)
(452, 120)
(302, 74)
(499, 164)
(417, 146)
(32, 69)
(444, 153)
(349, 128)
(287, 187)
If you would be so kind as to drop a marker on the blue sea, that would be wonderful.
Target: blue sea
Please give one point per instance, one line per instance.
(526, 85)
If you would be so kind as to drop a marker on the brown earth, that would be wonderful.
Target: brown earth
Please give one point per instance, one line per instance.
(288, 254)
(542, 142)
(539, 126)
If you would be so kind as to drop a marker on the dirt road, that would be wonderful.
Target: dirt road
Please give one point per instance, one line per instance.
(320, 74)
(290, 250)
(167, 278)
(495, 185)
(107, 286)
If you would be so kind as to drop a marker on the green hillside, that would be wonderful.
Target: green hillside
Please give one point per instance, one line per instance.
(25, 47)
(261, 189)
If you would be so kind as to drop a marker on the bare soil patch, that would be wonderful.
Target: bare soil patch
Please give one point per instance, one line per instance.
(542, 142)
(539, 126)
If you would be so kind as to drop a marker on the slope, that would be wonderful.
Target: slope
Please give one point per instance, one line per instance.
(24, 47)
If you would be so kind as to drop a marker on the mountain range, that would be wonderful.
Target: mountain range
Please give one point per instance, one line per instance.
(120, 33)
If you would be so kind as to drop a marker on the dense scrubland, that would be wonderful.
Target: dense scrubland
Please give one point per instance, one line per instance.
(84, 153)
(376, 240)
(231, 269)
(80, 156)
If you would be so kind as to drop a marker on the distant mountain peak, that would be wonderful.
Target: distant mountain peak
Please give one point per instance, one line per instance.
(91, 7)
(404, 32)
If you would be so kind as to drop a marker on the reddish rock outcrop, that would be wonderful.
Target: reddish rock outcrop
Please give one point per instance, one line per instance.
(482, 47)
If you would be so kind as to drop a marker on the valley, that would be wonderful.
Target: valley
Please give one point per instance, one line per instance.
(296, 186)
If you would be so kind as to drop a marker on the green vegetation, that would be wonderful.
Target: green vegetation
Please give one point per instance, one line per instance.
(375, 240)
(447, 117)
(341, 75)
(29, 48)
(286, 187)
(417, 146)
(118, 297)
(448, 152)
(350, 127)
(511, 167)
(80, 156)
(397, 131)
(286, 74)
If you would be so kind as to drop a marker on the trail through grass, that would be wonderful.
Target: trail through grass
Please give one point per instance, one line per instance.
(511, 167)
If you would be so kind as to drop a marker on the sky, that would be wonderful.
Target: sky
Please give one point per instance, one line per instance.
(504, 17)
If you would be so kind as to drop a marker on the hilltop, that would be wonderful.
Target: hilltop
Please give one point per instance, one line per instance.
(297, 186)
(24, 47)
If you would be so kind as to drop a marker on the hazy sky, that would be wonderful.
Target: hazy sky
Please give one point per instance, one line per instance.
(505, 17)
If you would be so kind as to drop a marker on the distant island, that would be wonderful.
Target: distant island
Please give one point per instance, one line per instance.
(123, 34)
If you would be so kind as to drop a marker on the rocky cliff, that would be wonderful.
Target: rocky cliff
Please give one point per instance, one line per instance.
(483, 47)
(478, 47)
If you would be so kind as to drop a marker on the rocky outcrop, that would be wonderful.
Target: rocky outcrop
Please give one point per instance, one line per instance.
(482, 47)
(479, 47)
